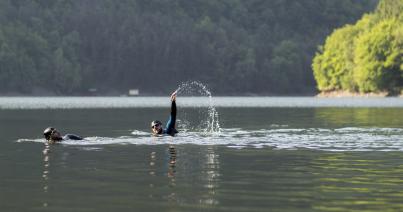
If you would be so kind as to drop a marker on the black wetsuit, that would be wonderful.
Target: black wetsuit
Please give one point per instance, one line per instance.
(170, 127)
(71, 137)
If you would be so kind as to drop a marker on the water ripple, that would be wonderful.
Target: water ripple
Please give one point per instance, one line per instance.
(341, 139)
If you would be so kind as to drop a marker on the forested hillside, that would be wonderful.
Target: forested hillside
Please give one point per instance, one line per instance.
(367, 56)
(66, 47)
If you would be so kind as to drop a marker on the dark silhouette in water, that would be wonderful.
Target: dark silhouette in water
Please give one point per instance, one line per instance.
(52, 135)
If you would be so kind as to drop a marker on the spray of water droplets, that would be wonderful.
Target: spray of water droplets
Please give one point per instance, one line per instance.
(209, 123)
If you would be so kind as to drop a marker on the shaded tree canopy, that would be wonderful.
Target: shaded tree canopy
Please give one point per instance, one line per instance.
(365, 57)
(65, 47)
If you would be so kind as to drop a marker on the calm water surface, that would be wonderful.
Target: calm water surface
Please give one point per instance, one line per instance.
(270, 157)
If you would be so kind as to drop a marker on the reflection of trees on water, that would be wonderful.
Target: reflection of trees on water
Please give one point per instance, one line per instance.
(340, 117)
(356, 181)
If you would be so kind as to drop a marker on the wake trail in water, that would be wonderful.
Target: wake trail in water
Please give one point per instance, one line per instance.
(341, 139)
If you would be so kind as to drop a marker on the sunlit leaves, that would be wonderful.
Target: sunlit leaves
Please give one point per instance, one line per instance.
(365, 57)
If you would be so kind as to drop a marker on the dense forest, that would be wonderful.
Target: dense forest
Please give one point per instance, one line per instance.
(367, 56)
(66, 47)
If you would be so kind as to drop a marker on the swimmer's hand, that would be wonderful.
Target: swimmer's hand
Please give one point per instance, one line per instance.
(173, 96)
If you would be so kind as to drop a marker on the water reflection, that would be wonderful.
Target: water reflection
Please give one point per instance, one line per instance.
(212, 167)
(170, 171)
(45, 174)
(347, 181)
(172, 164)
(339, 117)
(183, 172)
(152, 171)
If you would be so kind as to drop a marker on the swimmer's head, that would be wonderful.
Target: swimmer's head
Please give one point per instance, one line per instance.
(156, 127)
(51, 134)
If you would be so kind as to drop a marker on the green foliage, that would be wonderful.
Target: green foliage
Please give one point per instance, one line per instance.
(286, 56)
(23, 55)
(336, 63)
(333, 66)
(365, 57)
(253, 46)
(378, 58)
(388, 9)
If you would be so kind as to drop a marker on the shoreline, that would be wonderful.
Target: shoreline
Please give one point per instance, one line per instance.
(341, 94)
(323, 94)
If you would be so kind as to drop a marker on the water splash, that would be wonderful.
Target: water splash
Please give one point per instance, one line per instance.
(211, 123)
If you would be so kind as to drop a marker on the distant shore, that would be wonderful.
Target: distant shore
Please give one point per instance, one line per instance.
(337, 94)
(327, 94)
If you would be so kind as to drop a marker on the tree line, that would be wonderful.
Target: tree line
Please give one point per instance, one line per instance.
(66, 47)
(366, 56)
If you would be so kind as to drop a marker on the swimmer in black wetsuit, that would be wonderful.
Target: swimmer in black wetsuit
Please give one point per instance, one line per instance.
(156, 126)
(53, 136)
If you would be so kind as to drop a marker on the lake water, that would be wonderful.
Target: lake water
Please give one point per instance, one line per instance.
(255, 154)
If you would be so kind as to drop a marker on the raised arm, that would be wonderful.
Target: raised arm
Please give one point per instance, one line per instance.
(172, 118)
(173, 106)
